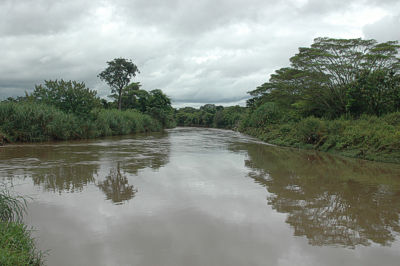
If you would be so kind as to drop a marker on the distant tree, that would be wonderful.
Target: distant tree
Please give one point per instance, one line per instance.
(118, 75)
(68, 96)
(159, 107)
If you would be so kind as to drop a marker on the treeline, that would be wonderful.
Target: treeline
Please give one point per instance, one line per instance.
(339, 95)
(210, 115)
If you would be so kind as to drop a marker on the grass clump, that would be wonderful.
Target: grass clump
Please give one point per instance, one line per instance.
(17, 246)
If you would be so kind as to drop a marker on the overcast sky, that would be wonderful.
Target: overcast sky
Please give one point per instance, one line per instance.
(196, 51)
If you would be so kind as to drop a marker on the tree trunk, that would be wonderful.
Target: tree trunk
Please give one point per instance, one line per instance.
(119, 99)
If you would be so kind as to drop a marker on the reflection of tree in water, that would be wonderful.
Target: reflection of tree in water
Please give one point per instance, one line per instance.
(330, 200)
(150, 152)
(65, 178)
(116, 186)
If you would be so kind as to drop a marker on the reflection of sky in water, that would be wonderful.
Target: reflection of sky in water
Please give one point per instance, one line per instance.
(195, 205)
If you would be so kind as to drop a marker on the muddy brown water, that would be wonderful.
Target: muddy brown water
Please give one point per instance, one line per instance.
(193, 196)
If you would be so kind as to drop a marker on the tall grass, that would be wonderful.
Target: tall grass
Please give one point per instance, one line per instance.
(30, 122)
(17, 246)
(115, 122)
(12, 208)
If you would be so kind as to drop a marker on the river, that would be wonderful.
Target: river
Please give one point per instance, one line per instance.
(192, 196)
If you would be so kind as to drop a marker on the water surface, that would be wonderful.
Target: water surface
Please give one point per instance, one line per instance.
(193, 196)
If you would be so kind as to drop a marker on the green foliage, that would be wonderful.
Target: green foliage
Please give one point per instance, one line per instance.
(159, 107)
(267, 113)
(118, 75)
(130, 95)
(229, 117)
(374, 93)
(68, 96)
(310, 130)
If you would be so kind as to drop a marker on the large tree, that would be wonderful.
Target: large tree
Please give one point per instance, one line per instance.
(118, 75)
(320, 76)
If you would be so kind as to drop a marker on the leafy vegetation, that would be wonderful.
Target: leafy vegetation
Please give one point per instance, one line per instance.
(68, 96)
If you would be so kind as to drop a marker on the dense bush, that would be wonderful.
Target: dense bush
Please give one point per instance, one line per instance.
(310, 130)
(67, 96)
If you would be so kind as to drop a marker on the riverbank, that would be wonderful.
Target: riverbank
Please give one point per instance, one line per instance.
(369, 137)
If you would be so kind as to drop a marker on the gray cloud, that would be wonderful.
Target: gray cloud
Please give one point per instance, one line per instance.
(195, 51)
(386, 29)
(39, 16)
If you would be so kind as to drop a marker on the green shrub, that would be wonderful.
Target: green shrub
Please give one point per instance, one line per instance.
(311, 130)
(268, 113)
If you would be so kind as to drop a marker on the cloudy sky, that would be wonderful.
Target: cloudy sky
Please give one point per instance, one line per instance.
(203, 51)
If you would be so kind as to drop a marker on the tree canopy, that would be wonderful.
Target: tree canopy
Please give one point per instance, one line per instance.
(323, 79)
